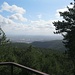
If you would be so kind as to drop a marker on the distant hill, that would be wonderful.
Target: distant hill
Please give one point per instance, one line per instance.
(54, 44)
(32, 38)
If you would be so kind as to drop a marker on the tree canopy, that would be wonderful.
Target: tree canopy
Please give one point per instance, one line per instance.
(66, 27)
(3, 39)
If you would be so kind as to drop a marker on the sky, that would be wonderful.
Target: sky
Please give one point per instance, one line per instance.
(30, 17)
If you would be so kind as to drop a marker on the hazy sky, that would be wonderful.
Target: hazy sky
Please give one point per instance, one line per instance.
(30, 17)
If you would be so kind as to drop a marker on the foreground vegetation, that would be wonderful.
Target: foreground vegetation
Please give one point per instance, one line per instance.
(46, 60)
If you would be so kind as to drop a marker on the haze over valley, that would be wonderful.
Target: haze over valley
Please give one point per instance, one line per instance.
(32, 38)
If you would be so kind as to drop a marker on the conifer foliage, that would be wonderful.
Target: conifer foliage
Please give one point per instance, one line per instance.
(3, 39)
(66, 27)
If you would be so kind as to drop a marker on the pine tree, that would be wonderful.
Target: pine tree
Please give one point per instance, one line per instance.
(66, 27)
(3, 39)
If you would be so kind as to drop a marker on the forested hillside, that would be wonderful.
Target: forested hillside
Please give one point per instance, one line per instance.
(54, 44)
(50, 61)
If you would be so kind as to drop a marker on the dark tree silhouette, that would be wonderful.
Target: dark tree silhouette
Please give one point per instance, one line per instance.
(66, 27)
(3, 39)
